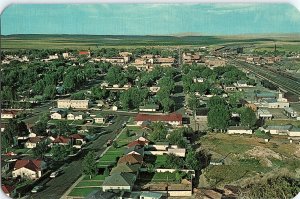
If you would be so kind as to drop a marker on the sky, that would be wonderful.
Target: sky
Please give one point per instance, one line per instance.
(150, 19)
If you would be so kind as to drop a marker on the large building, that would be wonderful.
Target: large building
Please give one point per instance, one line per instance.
(30, 169)
(76, 104)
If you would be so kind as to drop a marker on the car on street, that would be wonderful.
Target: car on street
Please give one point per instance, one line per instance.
(37, 188)
(55, 173)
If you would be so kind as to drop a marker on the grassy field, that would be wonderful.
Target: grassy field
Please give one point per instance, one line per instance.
(157, 177)
(100, 41)
(248, 157)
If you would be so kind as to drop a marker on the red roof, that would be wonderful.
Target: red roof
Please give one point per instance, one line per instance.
(34, 165)
(77, 136)
(7, 189)
(173, 117)
(84, 52)
(137, 142)
(34, 139)
(61, 139)
(8, 112)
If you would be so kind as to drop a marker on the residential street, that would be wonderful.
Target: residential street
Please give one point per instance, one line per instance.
(56, 187)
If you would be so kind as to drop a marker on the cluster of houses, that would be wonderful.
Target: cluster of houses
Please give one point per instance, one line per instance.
(122, 178)
(9, 58)
(63, 114)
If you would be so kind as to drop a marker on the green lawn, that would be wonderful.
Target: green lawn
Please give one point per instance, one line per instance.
(82, 192)
(89, 183)
(158, 160)
(97, 177)
(157, 177)
(108, 158)
(105, 164)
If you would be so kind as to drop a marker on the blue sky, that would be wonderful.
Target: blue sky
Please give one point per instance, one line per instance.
(145, 19)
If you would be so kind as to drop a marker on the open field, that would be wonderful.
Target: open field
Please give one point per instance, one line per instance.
(100, 41)
(247, 157)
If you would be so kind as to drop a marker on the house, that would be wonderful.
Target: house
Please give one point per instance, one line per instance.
(99, 119)
(2, 127)
(279, 129)
(8, 190)
(245, 103)
(114, 108)
(61, 140)
(65, 55)
(75, 116)
(77, 140)
(60, 114)
(33, 141)
(137, 149)
(239, 130)
(126, 168)
(177, 151)
(150, 195)
(168, 62)
(290, 112)
(264, 114)
(294, 132)
(85, 53)
(201, 115)
(5, 114)
(76, 104)
(174, 119)
(242, 84)
(189, 58)
(229, 88)
(198, 80)
(131, 159)
(31, 169)
(149, 108)
(137, 142)
(119, 182)
(115, 60)
(154, 89)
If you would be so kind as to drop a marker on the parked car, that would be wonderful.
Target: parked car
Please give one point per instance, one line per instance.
(109, 142)
(37, 188)
(55, 173)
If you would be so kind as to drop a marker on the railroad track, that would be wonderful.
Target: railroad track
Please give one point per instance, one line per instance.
(284, 82)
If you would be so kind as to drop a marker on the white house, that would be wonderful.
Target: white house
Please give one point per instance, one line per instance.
(75, 116)
(119, 182)
(32, 142)
(31, 169)
(114, 108)
(278, 130)
(239, 130)
(57, 116)
(149, 108)
(99, 119)
(8, 114)
(76, 104)
(294, 132)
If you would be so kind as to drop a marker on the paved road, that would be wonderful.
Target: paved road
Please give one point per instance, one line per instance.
(56, 187)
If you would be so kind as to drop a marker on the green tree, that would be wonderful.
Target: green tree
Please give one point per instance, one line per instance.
(78, 96)
(89, 164)
(159, 132)
(173, 161)
(40, 150)
(49, 92)
(218, 117)
(193, 102)
(115, 144)
(248, 117)
(59, 152)
(192, 160)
